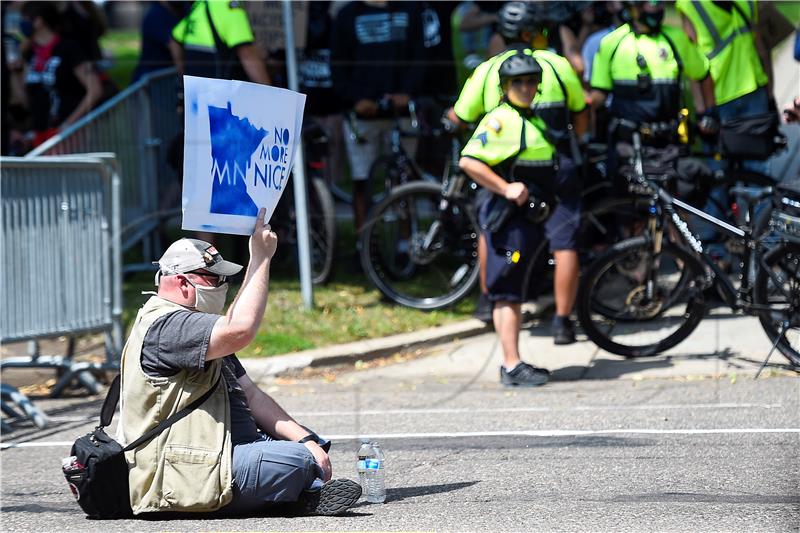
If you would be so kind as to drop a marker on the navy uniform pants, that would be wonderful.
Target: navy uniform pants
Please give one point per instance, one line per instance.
(511, 249)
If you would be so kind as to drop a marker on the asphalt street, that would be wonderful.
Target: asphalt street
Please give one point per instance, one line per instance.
(667, 454)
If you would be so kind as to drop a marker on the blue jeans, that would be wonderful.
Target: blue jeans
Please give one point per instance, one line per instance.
(754, 103)
(267, 472)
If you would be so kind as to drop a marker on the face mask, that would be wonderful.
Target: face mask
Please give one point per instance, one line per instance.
(26, 27)
(210, 299)
(653, 20)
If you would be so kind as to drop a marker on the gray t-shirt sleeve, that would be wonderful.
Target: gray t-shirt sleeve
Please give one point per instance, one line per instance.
(177, 341)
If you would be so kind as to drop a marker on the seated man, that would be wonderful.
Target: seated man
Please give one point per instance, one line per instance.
(239, 451)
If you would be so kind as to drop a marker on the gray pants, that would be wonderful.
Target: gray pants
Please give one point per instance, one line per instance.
(267, 472)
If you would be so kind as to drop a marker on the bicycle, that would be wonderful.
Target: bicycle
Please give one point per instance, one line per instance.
(648, 293)
(392, 169)
(419, 244)
(420, 238)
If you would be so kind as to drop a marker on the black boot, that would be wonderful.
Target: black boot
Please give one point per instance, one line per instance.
(563, 330)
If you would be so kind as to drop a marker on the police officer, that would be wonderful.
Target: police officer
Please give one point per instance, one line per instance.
(509, 155)
(725, 34)
(642, 63)
(560, 104)
(215, 40)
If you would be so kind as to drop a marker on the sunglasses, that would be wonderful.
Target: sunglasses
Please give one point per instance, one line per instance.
(214, 279)
(519, 82)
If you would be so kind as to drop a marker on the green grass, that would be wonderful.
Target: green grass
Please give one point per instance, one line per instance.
(123, 45)
(347, 309)
(790, 10)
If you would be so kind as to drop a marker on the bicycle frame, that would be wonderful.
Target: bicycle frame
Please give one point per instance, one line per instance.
(661, 200)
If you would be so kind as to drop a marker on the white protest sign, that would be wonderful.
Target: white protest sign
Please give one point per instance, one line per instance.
(239, 147)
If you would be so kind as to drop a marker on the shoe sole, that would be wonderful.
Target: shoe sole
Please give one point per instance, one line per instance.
(336, 497)
(526, 384)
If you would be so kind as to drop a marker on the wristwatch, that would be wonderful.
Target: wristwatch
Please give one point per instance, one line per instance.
(325, 444)
(310, 437)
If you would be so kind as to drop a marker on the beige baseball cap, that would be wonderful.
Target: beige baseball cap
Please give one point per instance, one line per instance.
(186, 255)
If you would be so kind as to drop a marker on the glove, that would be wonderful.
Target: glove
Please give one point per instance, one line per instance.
(708, 122)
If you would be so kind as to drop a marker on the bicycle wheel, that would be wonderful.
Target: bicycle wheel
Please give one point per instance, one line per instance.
(778, 286)
(387, 173)
(419, 250)
(321, 230)
(635, 303)
(608, 221)
(321, 227)
(342, 192)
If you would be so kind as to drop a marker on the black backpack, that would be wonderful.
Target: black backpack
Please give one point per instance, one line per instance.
(96, 470)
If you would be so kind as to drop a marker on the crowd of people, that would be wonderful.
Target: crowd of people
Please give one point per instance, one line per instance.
(532, 83)
(594, 71)
(51, 71)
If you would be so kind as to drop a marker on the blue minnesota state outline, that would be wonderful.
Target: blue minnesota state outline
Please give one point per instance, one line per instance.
(233, 141)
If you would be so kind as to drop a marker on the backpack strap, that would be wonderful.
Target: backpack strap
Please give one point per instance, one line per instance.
(616, 46)
(110, 403)
(174, 418)
(563, 88)
(112, 399)
(223, 52)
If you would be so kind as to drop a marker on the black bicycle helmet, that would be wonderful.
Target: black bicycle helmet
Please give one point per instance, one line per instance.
(518, 65)
(514, 18)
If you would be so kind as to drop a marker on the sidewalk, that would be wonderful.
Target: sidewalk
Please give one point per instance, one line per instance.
(724, 345)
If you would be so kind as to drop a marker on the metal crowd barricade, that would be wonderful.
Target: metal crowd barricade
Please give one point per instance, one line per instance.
(138, 125)
(61, 264)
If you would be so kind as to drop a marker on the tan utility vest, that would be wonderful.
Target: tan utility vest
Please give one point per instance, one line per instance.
(188, 466)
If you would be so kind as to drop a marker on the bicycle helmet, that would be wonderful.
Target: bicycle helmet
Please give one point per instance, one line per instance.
(518, 65)
(514, 18)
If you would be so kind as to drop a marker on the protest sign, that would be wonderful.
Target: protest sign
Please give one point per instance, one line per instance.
(240, 143)
(266, 19)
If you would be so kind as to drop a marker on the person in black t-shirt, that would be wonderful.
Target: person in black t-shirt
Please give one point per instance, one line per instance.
(60, 82)
(316, 81)
(377, 56)
(84, 23)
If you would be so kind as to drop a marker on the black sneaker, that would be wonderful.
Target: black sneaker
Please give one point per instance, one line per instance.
(524, 375)
(563, 332)
(333, 499)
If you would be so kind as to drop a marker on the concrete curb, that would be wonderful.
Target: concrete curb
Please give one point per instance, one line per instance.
(362, 350)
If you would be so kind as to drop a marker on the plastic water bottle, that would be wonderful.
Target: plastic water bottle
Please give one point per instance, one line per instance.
(364, 454)
(376, 475)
